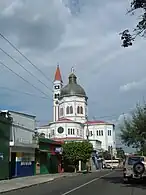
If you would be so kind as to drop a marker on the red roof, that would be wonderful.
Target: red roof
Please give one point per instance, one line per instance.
(95, 122)
(58, 74)
(67, 138)
(64, 120)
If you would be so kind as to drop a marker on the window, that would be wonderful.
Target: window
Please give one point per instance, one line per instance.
(61, 111)
(135, 159)
(53, 132)
(56, 87)
(90, 133)
(60, 130)
(78, 132)
(71, 131)
(80, 110)
(56, 96)
(109, 133)
(99, 132)
(68, 131)
(69, 110)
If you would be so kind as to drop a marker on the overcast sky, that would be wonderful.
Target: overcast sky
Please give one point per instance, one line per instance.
(83, 35)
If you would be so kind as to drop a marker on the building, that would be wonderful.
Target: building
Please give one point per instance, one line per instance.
(22, 145)
(5, 126)
(49, 157)
(70, 116)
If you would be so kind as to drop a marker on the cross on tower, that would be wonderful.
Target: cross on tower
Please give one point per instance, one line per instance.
(72, 70)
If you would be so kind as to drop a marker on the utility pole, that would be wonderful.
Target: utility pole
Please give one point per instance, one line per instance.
(87, 130)
(111, 152)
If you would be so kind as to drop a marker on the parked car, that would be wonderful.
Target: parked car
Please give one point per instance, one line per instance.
(134, 168)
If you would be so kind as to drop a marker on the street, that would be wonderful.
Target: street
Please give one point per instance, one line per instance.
(104, 182)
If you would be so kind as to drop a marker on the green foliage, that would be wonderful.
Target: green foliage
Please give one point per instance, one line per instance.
(133, 131)
(140, 29)
(120, 153)
(75, 151)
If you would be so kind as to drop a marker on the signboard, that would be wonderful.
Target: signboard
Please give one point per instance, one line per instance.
(26, 163)
(59, 150)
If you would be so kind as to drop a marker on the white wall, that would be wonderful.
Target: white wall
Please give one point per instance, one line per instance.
(55, 100)
(74, 101)
(76, 130)
(23, 129)
(96, 144)
(46, 130)
(106, 140)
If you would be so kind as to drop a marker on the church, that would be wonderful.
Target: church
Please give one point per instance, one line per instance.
(70, 117)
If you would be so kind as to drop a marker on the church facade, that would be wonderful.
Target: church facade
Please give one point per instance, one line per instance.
(70, 116)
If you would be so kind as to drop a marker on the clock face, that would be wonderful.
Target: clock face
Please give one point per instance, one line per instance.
(57, 87)
(60, 130)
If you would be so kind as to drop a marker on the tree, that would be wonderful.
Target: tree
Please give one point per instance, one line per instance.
(140, 28)
(75, 151)
(120, 153)
(133, 130)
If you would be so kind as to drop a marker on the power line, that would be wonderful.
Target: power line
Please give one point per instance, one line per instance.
(26, 93)
(23, 79)
(24, 68)
(12, 45)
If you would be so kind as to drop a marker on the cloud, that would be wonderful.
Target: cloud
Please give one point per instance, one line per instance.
(135, 85)
(84, 35)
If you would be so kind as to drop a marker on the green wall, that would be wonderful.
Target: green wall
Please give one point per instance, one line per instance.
(5, 125)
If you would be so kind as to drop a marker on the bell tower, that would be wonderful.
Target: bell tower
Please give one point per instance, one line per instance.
(58, 83)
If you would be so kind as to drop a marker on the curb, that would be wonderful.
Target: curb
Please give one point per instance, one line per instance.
(35, 184)
(27, 186)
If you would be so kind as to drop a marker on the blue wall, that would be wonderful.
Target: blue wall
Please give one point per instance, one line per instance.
(24, 169)
(25, 165)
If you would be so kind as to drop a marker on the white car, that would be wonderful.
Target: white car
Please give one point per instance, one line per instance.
(134, 168)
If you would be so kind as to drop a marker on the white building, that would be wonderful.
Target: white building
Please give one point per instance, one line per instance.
(70, 114)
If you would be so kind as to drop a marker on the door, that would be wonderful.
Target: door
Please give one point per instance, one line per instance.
(13, 164)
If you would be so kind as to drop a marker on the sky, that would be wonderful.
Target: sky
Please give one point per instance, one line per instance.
(79, 33)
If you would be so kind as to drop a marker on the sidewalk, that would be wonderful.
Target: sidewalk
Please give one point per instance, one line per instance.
(24, 182)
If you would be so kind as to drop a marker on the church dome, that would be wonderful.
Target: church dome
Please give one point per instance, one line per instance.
(72, 88)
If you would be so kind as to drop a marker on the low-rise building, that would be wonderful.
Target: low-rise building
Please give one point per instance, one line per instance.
(22, 144)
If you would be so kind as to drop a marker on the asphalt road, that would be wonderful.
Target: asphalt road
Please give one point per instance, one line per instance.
(103, 183)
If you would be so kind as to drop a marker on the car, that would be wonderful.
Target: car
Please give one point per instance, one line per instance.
(134, 168)
(107, 166)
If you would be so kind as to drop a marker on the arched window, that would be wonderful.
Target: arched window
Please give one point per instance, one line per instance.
(56, 96)
(67, 110)
(78, 110)
(71, 110)
(61, 111)
(81, 108)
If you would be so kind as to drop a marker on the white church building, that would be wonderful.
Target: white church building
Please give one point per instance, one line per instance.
(70, 116)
